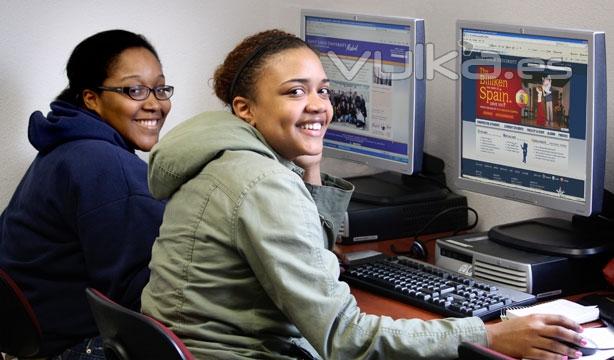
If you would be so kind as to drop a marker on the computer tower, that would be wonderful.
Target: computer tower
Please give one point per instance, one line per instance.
(542, 275)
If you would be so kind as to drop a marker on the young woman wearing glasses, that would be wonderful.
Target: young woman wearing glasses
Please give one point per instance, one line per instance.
(83, 215)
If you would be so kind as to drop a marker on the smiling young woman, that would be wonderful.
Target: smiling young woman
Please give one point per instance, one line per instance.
(290, 106)
(243, 266)
(82, 215)
(138, 113)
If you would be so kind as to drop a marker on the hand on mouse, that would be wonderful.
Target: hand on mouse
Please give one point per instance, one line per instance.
(535, 337)
(587, 347)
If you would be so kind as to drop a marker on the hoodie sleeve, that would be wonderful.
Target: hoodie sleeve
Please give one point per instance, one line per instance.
(331, 199)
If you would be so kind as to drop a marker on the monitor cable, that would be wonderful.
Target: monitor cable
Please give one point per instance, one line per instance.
(418, 248)
(441, 184)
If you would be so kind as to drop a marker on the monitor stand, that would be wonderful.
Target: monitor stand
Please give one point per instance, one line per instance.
(581, 237)
(391, 188)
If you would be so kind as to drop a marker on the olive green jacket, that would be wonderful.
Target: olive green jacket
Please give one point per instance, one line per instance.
(242, 267)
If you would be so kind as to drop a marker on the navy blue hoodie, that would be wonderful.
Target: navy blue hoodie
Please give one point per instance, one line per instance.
(81, 216)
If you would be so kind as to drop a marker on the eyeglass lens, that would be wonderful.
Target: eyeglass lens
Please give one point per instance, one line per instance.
(142, 92)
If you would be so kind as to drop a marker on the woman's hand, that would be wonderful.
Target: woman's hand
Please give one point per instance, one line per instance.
(311, 165)
(535, 337)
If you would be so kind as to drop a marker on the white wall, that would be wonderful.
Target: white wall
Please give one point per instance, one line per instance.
(193, 36)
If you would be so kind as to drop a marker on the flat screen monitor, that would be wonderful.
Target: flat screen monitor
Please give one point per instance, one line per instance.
(531, 126)
(377, 97)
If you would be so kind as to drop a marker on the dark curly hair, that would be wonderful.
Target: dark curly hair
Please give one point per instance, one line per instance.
(239, 72)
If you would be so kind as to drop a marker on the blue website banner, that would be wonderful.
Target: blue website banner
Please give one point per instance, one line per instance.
(355, 48)
(525, 178)
(379, 148)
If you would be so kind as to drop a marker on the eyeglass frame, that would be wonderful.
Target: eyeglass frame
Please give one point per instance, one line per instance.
(126, 90)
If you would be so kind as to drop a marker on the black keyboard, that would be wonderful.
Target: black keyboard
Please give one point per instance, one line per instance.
(432, 288)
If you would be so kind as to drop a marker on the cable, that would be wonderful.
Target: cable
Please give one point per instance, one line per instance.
(421, 244)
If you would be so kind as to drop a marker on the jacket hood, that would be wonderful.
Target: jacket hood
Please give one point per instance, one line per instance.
(185, 150)
(66, 122)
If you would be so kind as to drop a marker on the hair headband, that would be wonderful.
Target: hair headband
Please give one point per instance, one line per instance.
(256, 54)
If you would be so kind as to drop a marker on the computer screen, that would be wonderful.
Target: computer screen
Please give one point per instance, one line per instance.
(377, 98)
(531, 118)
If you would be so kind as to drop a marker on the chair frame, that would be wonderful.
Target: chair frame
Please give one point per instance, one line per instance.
(20, 331)
(130, 335)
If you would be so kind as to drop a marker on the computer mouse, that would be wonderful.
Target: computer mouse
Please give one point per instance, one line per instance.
(589, 349)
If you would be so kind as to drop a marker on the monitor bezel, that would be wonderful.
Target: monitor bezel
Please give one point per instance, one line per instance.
(594, 166)
(417, 109)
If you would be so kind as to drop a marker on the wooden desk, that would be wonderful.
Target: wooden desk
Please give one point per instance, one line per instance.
(400, 244)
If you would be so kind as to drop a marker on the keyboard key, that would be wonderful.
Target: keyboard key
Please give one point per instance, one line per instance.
(479, 311)
(495, 306)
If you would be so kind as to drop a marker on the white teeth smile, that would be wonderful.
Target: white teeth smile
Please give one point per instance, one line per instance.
(312, 126)
(148, 123)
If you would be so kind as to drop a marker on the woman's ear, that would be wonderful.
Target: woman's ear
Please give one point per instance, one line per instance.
(243, 108)
(91, 100)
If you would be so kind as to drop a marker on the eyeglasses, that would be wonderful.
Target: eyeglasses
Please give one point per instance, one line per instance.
(141, 92)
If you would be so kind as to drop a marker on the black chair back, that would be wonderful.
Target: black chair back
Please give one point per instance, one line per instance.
(20, 332)
(130, 335)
